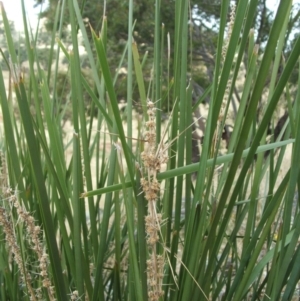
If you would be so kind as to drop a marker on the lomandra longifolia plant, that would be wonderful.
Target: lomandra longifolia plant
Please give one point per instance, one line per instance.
(80, 221)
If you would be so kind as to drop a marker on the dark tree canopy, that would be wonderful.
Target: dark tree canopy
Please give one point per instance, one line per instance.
(205, 17)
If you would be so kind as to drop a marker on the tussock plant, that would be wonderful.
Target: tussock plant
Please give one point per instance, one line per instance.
(81, 220)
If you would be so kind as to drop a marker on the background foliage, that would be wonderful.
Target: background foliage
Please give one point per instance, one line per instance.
(205, 17)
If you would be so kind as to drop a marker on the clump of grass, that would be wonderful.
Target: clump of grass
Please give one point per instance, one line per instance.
(86, 235)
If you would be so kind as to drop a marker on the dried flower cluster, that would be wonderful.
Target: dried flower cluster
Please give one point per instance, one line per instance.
(152, 158)
(74, 296)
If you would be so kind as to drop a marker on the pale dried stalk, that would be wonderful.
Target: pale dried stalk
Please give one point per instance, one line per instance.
(152, 158)
(218, 130)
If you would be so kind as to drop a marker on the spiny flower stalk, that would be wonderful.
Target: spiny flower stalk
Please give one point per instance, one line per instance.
(230, 27)
(11, 240)
(220, 122)
(152, 158)
(33, 235)
(9, 231)
(224, 52)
